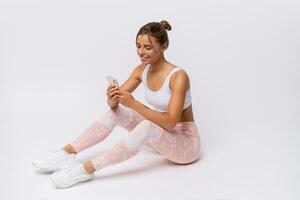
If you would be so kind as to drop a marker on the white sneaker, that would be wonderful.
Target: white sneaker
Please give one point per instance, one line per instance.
(58, 160)
(68, 177)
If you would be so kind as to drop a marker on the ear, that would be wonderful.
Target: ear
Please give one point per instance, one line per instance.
(164, 46)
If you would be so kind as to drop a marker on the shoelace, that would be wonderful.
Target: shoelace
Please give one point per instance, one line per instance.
(55, 155)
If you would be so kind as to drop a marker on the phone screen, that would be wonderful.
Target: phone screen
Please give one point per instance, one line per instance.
(112, 80)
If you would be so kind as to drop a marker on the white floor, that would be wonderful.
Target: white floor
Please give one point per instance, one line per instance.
(234, 165)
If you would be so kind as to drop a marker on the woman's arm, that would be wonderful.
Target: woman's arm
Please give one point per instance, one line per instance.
(130, 84)
(167, 120)
(134, 79)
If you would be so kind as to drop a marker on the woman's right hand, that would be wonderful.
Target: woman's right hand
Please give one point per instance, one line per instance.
(110, 93)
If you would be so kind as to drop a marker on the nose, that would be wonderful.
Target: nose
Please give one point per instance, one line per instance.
(140, 52)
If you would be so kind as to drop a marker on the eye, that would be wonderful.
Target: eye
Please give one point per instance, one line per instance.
(148, 47)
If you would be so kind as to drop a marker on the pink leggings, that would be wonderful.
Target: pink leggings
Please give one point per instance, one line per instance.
(181, 145)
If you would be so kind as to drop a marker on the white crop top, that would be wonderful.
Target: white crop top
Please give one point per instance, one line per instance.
(160, 99)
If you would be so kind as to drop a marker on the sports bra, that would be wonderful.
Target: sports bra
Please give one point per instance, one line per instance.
(159, 99)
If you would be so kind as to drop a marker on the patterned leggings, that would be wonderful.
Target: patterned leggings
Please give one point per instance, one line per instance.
(181, 145)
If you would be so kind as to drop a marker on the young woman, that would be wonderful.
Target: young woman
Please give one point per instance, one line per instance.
(168, 127)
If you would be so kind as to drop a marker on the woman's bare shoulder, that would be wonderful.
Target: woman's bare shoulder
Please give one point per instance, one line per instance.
(138, 71)
(180, 77)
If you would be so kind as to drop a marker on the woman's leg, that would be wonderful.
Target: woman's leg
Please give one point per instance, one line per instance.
(100, 129)
(181, 145)
(145, 131)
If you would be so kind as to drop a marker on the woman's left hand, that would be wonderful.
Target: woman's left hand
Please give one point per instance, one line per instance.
(125, 98)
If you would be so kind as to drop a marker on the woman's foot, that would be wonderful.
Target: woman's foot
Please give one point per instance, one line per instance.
(68, 177)
(58, 160)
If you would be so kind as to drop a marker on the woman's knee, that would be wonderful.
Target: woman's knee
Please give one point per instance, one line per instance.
(145, 131)
(119, 115)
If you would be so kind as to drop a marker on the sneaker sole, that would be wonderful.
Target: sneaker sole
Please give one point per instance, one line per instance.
(63, 186)
(43, 169)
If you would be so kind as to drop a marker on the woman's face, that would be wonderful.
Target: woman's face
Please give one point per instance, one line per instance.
(148, 51)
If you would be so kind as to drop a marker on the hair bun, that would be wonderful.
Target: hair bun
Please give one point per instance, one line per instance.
(165, 25)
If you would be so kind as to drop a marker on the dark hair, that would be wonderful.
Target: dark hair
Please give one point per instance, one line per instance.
(158, 30)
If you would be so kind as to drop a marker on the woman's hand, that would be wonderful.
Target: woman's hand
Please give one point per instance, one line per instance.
(125, 98)
(111, 95)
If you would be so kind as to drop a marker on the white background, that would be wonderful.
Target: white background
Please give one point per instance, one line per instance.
(243, 61)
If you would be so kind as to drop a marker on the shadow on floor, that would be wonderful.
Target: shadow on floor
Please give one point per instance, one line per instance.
(151, 165)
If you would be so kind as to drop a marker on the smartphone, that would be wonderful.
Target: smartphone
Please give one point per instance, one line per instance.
(111, 80)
